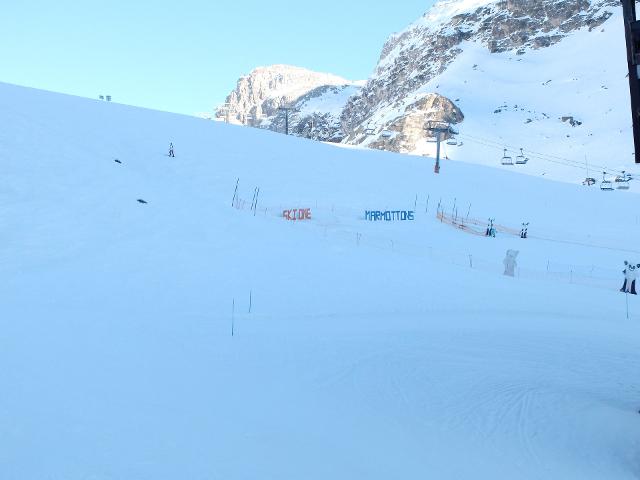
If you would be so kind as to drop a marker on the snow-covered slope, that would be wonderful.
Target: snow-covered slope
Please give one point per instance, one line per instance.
(360, 349)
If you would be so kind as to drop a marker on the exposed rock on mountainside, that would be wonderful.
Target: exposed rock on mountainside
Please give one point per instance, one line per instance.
(259, 95)
(408, 130)
(410, 59)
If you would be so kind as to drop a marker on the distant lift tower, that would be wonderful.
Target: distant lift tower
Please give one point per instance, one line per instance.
(632, 33)
(286, 117)
(438, 130)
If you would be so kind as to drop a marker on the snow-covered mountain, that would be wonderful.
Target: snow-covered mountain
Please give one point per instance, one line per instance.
(548, 77)
(316, 101)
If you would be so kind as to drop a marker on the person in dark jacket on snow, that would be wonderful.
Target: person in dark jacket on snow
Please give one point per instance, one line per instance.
(171, 154)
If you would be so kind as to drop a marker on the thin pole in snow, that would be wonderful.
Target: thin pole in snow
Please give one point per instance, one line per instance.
(626, 296)
(233, 313)
(250, 301)
(415, 202)
(235, 192)
(253, 199)
(255, 208)
(470, 262)
(426, 210)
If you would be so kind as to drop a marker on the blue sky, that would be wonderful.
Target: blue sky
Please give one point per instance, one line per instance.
(186, 56)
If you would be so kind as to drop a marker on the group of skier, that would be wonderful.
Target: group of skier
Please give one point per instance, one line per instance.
(491, 229)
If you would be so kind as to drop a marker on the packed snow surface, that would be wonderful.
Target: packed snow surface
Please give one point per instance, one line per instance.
(377, 350)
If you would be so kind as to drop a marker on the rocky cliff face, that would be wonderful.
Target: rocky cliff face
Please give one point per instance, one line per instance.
(407, 131)
(411, 59)
(257, 99)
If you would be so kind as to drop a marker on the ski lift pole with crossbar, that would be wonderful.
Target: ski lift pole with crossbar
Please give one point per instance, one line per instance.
(437, 129)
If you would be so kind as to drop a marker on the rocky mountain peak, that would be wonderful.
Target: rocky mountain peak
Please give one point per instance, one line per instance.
(259, 94)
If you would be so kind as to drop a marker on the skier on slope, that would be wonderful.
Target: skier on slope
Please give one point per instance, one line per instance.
(171, 154)
(630, 275)
(510, 263)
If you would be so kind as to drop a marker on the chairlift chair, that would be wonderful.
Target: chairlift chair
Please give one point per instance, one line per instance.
(505, 159)
(452, 141)
(432, 140)
(369, 131)
(589, 181)
(606, 184)
(521, 159)
(387, 134)
(622, 181)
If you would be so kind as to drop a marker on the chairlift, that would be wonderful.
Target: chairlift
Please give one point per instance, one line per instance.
(625, 177)
(505, 159)
(521, 159)
(589, 181)
(432, 140)
(387, 134)
(452, 141)
(622, 181)
(369, 131)
(606, 184)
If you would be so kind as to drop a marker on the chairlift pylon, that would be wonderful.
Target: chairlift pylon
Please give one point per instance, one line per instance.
(506, 160)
